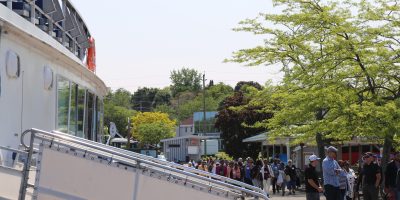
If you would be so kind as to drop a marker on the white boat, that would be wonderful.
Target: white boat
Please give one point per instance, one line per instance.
(48, 81)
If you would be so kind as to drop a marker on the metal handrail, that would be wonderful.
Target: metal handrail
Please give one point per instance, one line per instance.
(107, 149)
(171, 164)
(13, 150)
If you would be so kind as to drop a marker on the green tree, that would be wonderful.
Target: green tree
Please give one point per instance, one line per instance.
(214, 96)
(143, 99)
(184, 80)
(151, 127)
(341, 65)
(121, 97)
(233, 120)
(119, 115)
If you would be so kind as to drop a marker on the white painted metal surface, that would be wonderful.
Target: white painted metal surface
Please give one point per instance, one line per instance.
(10, 182)
(24, 102)
(69, 167)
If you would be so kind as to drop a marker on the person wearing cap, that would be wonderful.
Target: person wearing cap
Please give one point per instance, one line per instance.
(290, 170)
(331, 171)
(392, 179)
(313, 188)
(370, 177)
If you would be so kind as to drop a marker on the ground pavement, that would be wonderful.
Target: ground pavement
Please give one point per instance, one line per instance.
(298, 196)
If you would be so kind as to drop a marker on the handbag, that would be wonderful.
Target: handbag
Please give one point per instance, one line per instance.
(280, 180)
(287, 178)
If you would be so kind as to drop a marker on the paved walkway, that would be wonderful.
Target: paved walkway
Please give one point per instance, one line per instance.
(297, 196)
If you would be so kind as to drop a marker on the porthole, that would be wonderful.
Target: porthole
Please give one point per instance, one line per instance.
(12, 64)
(48, 78)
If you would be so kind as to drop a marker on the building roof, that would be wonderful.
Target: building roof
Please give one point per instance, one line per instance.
(190, 136)
(257, 138)
(188, 121)
(263, 138)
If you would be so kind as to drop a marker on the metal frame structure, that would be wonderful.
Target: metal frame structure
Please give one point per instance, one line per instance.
(163, 170)
(54, 18)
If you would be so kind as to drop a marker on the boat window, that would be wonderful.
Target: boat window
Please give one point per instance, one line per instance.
(81, 111)
(95, 118)
(73, 110)
(101, 118)
(63, 93)
(89, 115)
(12, 64)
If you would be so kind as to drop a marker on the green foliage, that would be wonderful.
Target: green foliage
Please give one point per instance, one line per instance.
(341, 65)
(120, 97)
(185, 80)
(146, 99)
(223, 156)
(234, 114)
(214, 96)
(117, 109)
(151, 127)
(119, 115)
(163, 108)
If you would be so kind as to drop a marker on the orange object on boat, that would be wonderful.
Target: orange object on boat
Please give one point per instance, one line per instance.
(91, 55)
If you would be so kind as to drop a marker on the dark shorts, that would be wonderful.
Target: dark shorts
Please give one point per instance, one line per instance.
(312, 196)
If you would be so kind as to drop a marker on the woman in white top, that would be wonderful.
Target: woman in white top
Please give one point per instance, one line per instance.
(351, 179)
(267, 175)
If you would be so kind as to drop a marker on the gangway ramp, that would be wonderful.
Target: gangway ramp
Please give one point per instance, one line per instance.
(69, 167)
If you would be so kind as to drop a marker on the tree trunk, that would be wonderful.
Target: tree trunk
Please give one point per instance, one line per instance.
(387, 148)
(129, 135)
(320, 141)
(320, 147)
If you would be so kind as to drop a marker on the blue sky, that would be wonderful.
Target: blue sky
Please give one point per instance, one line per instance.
(138, 43)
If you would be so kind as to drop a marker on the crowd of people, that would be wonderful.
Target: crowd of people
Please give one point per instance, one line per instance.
(338, 182)
(341, 183)
(260, 173)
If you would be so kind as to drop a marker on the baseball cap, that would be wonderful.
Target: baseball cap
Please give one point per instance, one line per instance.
(368, 154)
(314, 158)
(332, 149)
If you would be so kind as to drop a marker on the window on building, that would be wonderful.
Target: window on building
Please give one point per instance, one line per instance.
(81, 111)
(73, 114)
(89, 115)
(63, 94)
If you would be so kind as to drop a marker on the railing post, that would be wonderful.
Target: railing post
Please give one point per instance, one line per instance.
(33, 13)
(64, 10)
(27, 166)
(9, 4)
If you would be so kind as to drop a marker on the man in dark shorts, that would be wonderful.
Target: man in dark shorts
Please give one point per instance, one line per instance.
(313, 188)
(370, 177)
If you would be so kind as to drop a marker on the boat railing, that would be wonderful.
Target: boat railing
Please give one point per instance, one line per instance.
(174, 165)
(12, 162)
(157, 168)
(61, 21)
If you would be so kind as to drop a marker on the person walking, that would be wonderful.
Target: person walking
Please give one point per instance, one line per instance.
(392, 179)
(247, 172)
(282, 182)
(351, 180)
(331, 171)
(290, 170)
(370, 177)
(236, 172)
(313, 188)
(343, 186)
(256, 174)
(275, 172)
(267, 175)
